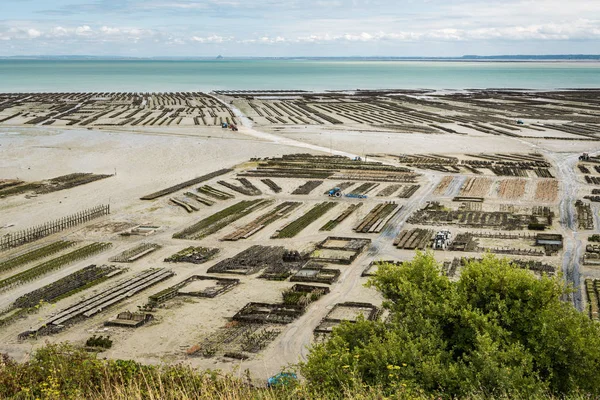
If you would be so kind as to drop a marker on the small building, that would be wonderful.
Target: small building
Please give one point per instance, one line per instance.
(552, 243)
(548, 239)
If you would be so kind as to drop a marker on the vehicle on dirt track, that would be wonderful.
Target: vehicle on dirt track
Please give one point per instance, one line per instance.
(442, 240)
(337, 192)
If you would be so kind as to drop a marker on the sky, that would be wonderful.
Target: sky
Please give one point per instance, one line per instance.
(288, 28)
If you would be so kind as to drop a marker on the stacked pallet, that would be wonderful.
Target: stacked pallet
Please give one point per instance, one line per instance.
(546, 190)
(585, 216)
(247, 187)
(413, 239)
(379, 216)
(113, 295)
(340, 218)
(365, 188)
(214, 193)
(389, 190)
(307, 187)
(592, 180)
(135, 253)
(342, 186)
(443, 185)
(259, 223)
(408, 190)
(219, 220)
(272, 185)
(476, 187)
(199, 199)
(190, 208)
(591, 289)
(185, 184)
(296, 226)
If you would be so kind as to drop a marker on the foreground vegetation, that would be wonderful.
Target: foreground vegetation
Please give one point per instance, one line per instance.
(63, 371)
(497, 332)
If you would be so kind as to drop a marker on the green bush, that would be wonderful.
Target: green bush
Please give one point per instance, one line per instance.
(99, 341)
(498, 331)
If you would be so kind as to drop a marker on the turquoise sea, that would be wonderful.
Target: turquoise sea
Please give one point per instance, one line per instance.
(206, 75)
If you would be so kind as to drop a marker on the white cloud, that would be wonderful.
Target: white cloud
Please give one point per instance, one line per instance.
(360, 37)
(58, 31)
(578, 30)
(110, 31)
(211, 39)
(21, 33)
(265, 40)
(468, 25)
(582, 29)
(33, 33)
(83, 30)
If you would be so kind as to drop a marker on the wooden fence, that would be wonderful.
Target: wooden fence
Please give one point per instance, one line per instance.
(29, 235)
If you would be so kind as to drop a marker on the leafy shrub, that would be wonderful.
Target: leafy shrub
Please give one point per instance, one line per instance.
(100, 341)
(498, 331)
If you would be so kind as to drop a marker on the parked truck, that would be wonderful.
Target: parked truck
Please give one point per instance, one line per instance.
(442, 240)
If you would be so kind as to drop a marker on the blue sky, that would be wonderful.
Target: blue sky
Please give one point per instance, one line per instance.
(298, 27)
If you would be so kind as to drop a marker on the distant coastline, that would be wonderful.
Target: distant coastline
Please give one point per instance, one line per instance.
(497, 58)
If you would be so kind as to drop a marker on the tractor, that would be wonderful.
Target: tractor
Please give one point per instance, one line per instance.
(335, 192)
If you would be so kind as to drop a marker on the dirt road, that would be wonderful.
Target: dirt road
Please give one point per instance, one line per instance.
(565, 170)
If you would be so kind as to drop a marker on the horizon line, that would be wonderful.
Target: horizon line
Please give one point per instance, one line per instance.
(579, 56)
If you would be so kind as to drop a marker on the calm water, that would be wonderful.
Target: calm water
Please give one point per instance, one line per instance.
(39, 76)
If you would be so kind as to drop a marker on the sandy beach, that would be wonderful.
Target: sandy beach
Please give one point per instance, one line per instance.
(143, 159)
